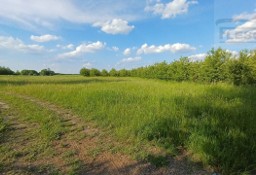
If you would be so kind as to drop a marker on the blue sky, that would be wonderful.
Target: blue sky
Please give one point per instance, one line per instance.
(66, 35)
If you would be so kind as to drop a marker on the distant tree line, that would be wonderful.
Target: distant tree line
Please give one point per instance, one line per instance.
(218, 66)
(44, 72)
(112, 73)
(6, 71)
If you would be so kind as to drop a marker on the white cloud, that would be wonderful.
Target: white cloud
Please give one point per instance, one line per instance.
(84, 48)
(115, 26)
(16, 44)
(44, 38)
(171, 9)
(35, 14)
(115, 48)
(127, 52)
(244, 16)
(202, 56)
(177, 47)
(197, 57)
(245, 32)
(87, 65)
(233, 53)
(130, 60)
(65, 47)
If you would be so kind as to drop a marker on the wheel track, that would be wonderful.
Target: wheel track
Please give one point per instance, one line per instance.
(74, 122)
(105, 163)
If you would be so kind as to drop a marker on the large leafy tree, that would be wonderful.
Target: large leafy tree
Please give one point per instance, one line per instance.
(85, 72)
(47, 72)
(215, 66)
(6, 71)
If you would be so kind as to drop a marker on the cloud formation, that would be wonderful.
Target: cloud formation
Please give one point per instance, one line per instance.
(35, 14)
(245, 32)
(84, 48)
(127, 52)
(171, 9)
(197, 57)
(115, 26)
(130, 60)
(44, 38)
(18, 45)
(202, 56)
(65, 47)
(87, 65)
(177, 47)
(115, 48)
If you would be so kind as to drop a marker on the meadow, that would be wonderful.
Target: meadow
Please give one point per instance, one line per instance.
(212, 124)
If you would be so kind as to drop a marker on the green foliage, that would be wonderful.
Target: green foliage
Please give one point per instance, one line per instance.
(104, 73)
(17, 72)
(29, 72)
(3, 128)
(215, 66)
(6, 71)
(114, 73)
(124, 73)
(95, 72)
(47, 72)
(91, 72)
(218, 66)
(215, 123)
(85, 72)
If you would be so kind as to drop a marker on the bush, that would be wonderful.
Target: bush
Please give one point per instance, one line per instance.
(218, 66)
(29, 72)
(94, 72)
(85, 72)
(47, 72)
(104, 73)
(113, 73)
(6, 71)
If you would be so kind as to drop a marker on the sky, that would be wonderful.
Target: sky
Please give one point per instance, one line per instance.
(66, 35)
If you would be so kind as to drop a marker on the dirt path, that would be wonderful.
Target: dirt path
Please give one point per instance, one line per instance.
(79, 147)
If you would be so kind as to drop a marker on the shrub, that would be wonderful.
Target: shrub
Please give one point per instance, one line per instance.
(47, 72)
(6, 71)
(85, 72)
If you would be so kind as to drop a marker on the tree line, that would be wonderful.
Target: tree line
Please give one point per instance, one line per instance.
(43, 72)
(218, 66)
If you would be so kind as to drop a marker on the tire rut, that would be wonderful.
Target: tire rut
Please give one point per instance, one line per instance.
(103, 163)
(81, 138)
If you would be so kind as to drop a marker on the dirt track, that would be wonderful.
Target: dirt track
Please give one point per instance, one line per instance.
(80, 140)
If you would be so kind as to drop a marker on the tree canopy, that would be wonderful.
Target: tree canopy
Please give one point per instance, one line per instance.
(6, 71)
(218, 66)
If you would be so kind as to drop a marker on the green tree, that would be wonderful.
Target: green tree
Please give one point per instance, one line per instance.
(29, 72)
(47, 72)
(17, 72)
(104, 73)
(113, 72)
(180, 69)
(215, 66)
(94, 72)
(6, 71)
(124, 73)
(85, 72)
(236, 69)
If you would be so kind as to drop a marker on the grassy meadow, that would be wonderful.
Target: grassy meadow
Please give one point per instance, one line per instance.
(213, 123)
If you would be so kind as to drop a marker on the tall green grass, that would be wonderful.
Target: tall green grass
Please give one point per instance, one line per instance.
(215, 123)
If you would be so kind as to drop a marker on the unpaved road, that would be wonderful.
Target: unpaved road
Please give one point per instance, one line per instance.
(100, 163)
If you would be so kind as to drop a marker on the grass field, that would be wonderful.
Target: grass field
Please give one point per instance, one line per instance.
(211, 123)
